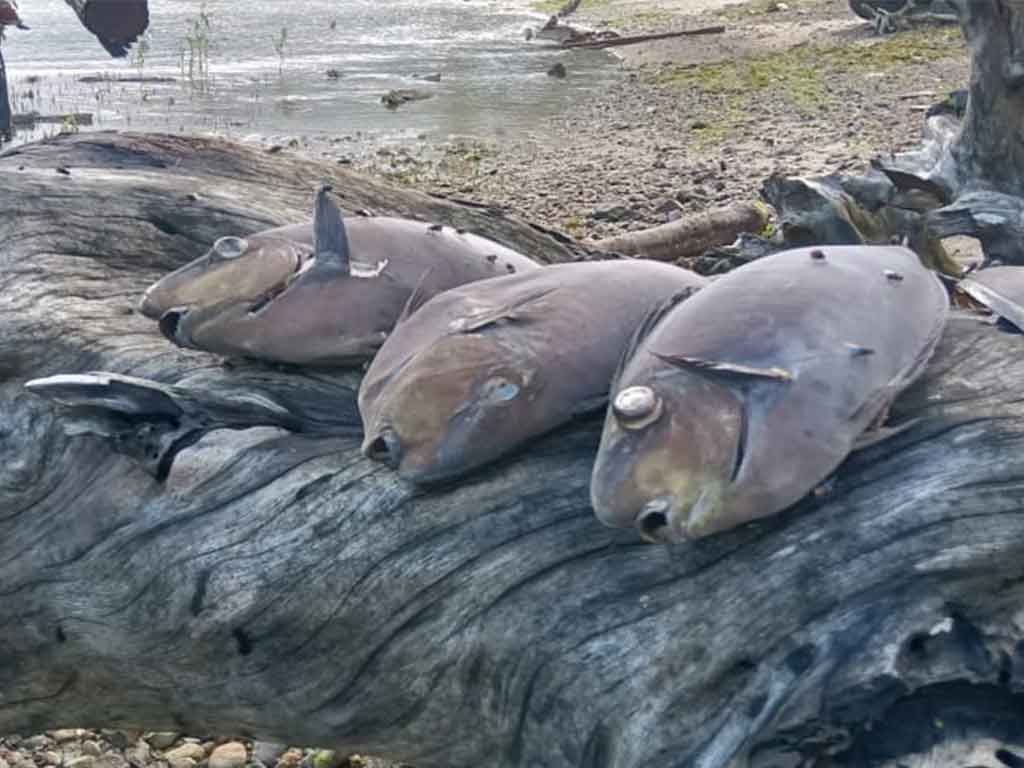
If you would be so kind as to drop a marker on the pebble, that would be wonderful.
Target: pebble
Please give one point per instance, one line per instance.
(161, 739)
(182, 762)
(140, 754)
(84, 761)
(186, 750)
(68, 734)
(111, 760)
(230, 755)
(91, 748)
(267, 752)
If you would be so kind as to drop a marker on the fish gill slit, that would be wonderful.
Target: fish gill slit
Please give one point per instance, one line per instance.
(275, 291)
(741, 445)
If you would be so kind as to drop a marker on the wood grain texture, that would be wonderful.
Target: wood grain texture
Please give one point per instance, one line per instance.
(279, 585)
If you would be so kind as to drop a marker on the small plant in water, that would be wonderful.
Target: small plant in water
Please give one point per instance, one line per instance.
(279, 46)
(139, 54)
(196, 68)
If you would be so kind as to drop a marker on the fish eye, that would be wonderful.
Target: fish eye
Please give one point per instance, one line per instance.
(230, 247)
(636, 407)
(500, 390)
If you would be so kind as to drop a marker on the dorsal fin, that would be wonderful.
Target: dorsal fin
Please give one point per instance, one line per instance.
(329, 239)
(419, 296)
(514, 310)
(651, 319)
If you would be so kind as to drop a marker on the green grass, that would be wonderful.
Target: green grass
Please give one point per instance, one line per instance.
(799, 76)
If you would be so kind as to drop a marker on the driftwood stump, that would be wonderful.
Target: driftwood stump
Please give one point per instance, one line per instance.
(969, 176)
(276, 584)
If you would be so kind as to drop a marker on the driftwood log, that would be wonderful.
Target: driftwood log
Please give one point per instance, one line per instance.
(271, 582)
(689, 236)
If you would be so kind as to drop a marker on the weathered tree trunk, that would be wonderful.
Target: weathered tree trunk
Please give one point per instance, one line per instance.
(279, 585)
(5, 101)
(975, 170)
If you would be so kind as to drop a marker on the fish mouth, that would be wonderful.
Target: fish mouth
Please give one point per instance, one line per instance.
(384, 447)
(170, 326)
(661, 521)
(654, 521)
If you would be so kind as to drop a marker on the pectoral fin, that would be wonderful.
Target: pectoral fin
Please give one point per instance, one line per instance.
(881, 434)
(516, 310)
(419, 296)
(730, 370)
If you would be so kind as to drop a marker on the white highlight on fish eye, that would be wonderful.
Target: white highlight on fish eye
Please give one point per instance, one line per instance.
(230, 247)
(499, 390)
(635, 402)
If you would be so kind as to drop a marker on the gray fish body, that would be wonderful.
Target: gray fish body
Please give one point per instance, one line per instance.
(481, 369)
(282, 302)
(755, 389)
(1001, 289)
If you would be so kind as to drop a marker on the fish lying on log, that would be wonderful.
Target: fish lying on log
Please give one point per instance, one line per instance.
(477, 371)
(326, 293)
(735, 403)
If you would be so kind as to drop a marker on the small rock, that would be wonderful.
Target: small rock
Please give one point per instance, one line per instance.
(110, 760)
(161, 739)
(290, 759)
(267, 752)
(85, 761)
(333, 74)
(230, 755)
(612, 212)
(52, 758)
(190, 751)
(139, 754)
(3, 763)
(182, 762)
(667, 206)
(91, 748)
(394, 99)
(327, 758)
(34, 743)
(67, 734)
(557, 70)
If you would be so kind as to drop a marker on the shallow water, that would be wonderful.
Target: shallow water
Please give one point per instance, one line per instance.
(494, 83)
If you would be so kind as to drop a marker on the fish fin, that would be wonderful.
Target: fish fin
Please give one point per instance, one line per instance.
(651, 319)
(518, 309)
(417, 298)
(589, 405)
(718, 368)
(877, 435)
(329, 236)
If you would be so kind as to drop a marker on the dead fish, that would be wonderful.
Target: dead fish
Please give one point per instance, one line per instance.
(737, 402)
(481, 369)
(320, 294)
(1000, 289)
